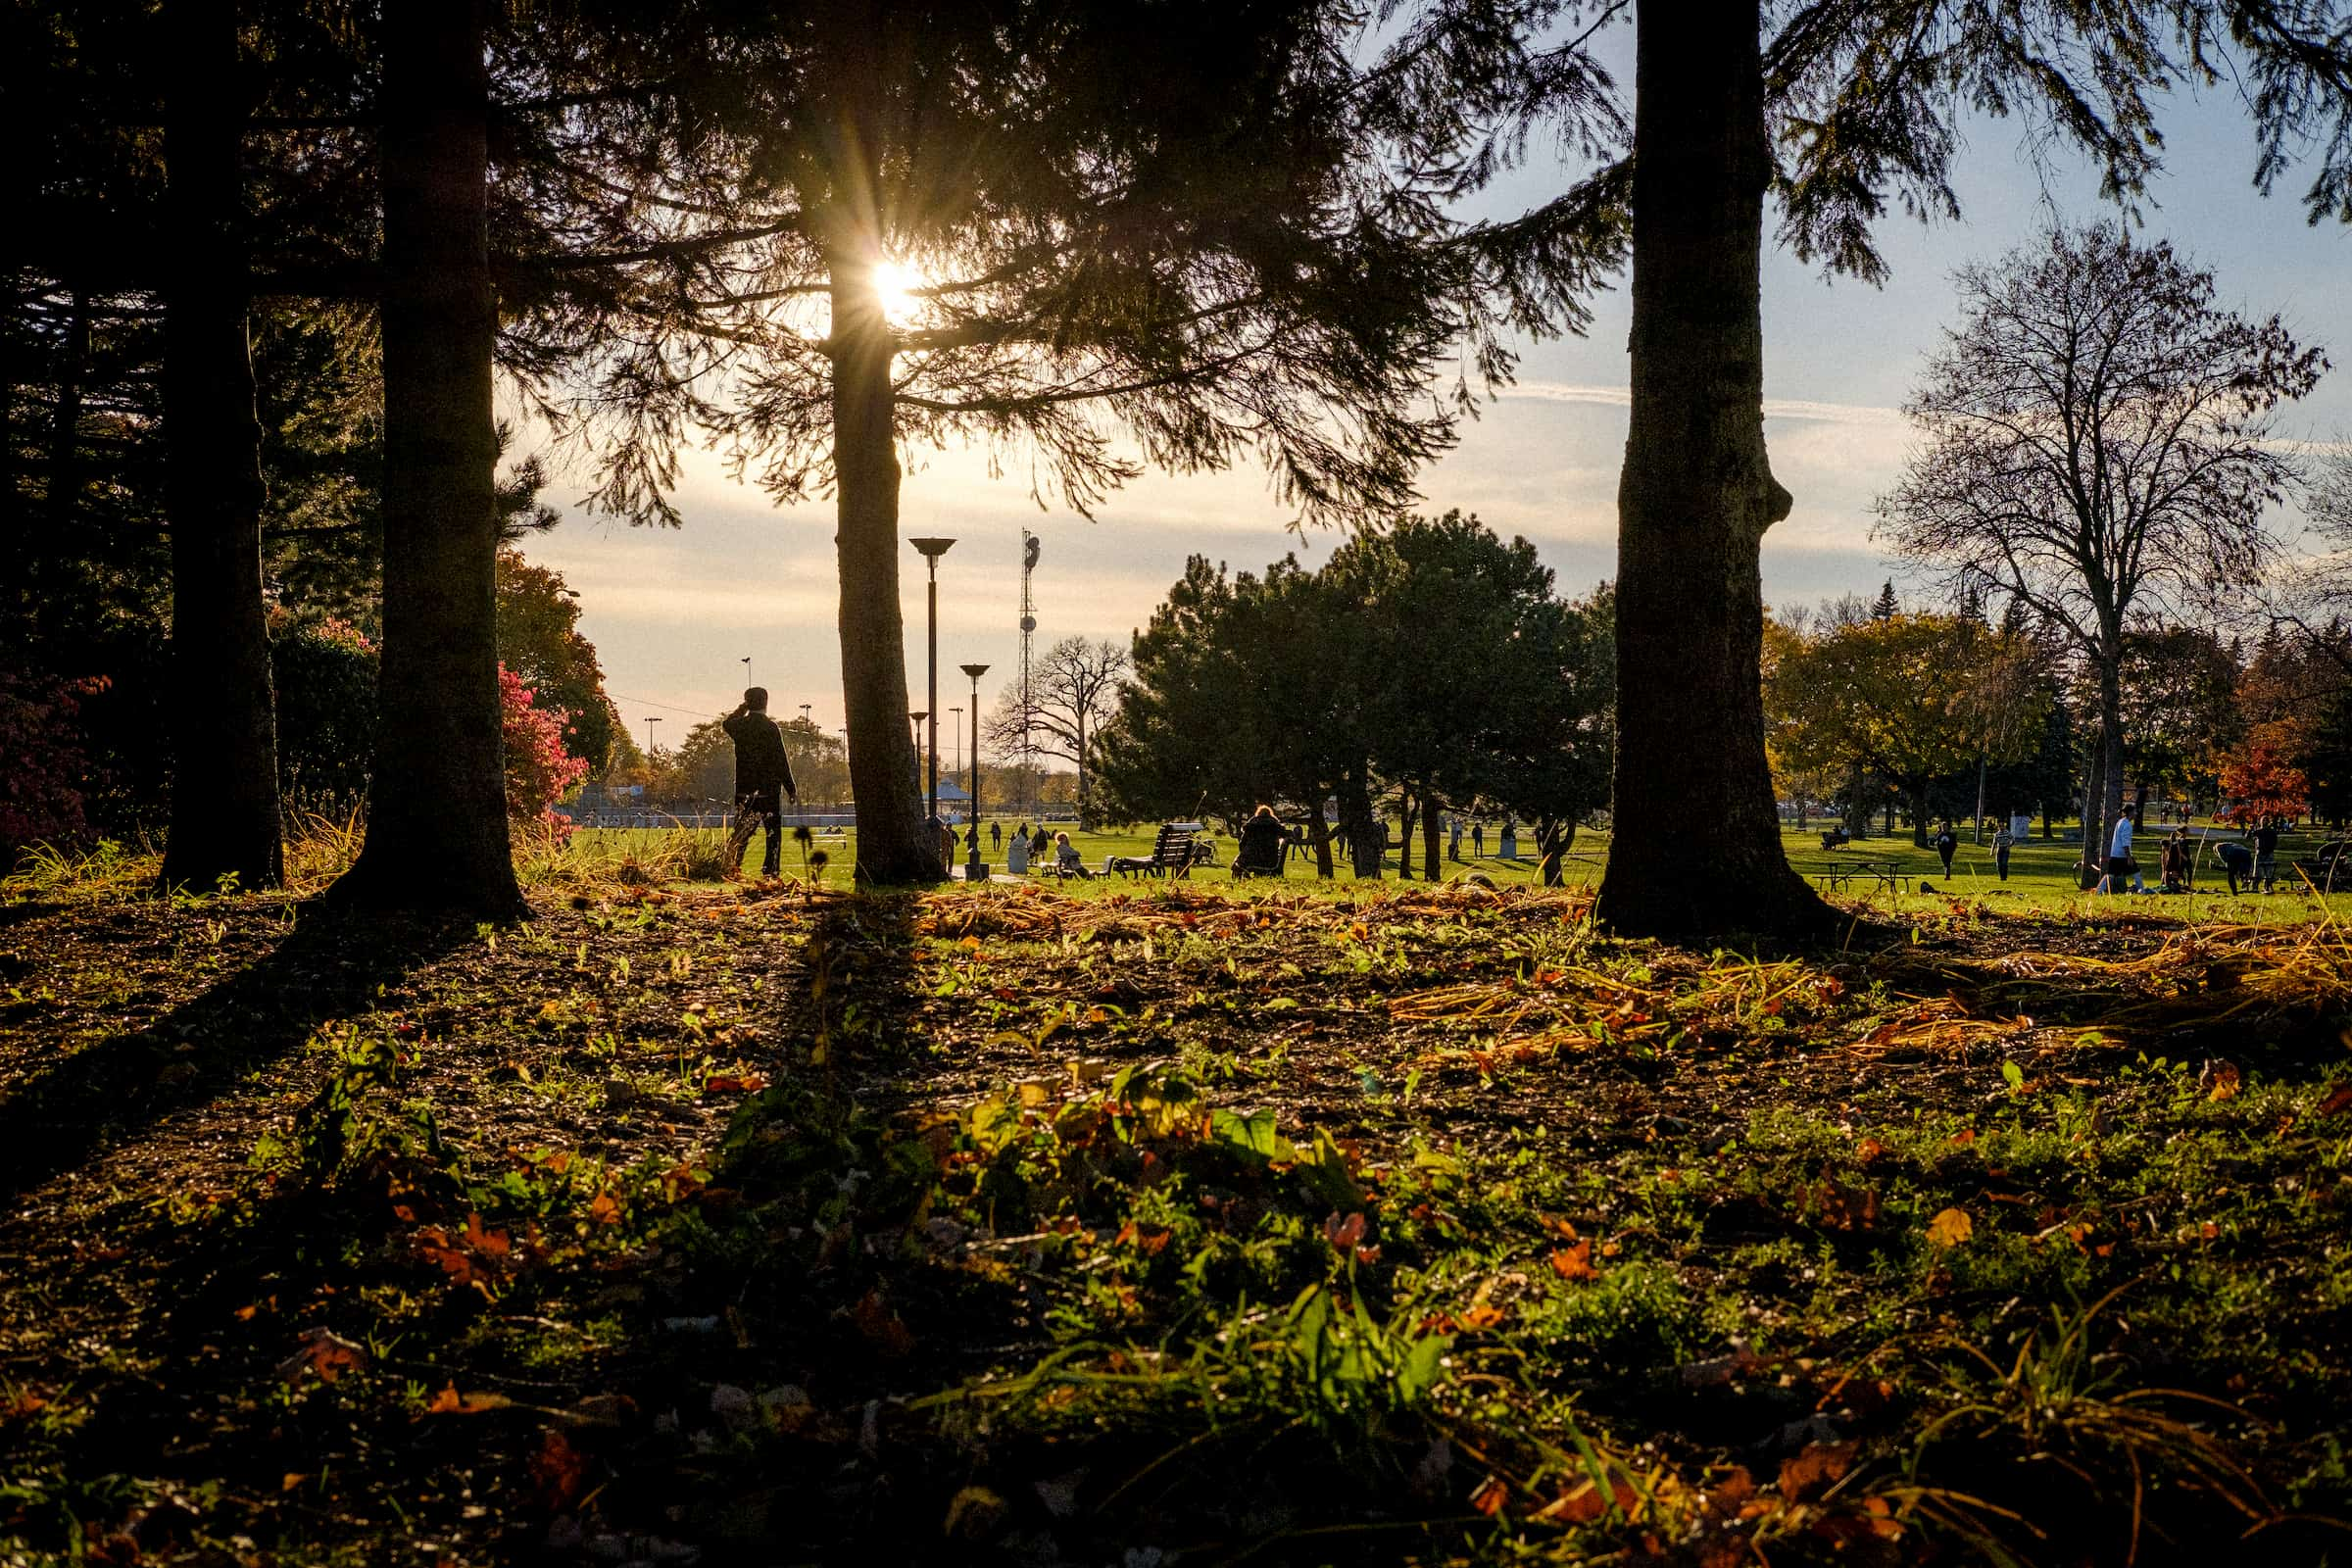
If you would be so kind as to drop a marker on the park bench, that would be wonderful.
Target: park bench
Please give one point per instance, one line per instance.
(1277, 863)
(1887, 874)
(1835, 838)
(1174, 854)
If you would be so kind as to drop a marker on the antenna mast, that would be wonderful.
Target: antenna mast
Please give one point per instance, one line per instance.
(1029, 553)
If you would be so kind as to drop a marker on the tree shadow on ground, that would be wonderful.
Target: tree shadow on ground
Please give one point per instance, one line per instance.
(329, 964)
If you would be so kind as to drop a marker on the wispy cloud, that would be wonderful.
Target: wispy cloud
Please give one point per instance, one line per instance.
(1622, 397)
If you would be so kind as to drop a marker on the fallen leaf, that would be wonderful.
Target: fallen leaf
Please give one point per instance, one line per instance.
(325, 1352)
(1490, 1496)
(1951, 1228)
(558, 1471)
(2337, 1101)
(1806, 1474)
(1574, 1262)
(449, 1401)
(2226, 1081)
(738, 1083)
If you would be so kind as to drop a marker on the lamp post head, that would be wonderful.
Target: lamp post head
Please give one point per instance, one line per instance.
(932, 549)
(975, 671)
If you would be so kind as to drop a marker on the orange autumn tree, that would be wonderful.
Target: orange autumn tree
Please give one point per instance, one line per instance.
(2262, 781)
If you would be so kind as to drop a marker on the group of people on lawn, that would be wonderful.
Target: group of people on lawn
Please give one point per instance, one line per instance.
(2252, 860)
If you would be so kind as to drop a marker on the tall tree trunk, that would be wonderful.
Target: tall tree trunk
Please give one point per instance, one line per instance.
(15, 530)
(1857, 810)
(1367, 836)
(1407, 812)
(1432, 826)
(892, 846)
(437, 834)
(1318, 834)
(1918, 793)
(2094, 839)
(1977, 827)
(1693, 502)
(225, 809)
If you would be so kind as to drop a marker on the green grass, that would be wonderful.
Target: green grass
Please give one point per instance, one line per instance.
(2040, 871)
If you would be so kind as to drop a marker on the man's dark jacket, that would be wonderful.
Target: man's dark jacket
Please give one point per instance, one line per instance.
(760, 761)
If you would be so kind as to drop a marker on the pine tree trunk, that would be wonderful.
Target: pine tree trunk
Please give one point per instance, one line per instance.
(437, 833)
(893, 846)
(1696, 850)
(1367, 836)
(224, 808)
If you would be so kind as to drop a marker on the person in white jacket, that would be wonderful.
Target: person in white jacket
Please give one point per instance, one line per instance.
(2119, 858)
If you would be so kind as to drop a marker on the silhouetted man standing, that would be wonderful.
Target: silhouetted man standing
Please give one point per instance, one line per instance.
(763, 778)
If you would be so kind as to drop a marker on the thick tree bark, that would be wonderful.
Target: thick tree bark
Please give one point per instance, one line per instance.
(893, 846)
(1367, 835)
(224, 807)
(1432, 824)
(1696, 850)
(437, 833)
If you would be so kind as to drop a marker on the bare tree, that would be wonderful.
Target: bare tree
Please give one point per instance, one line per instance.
(1072, 692)
(2096, 446)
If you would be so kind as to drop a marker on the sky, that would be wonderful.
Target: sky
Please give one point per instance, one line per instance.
(674, 612)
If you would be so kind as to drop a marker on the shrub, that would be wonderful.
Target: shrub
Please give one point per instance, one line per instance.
(41, 786)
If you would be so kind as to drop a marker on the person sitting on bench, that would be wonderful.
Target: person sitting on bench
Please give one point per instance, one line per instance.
(1262, 843)
(1066, 859)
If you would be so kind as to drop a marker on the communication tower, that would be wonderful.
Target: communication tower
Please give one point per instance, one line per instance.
(1029, 552)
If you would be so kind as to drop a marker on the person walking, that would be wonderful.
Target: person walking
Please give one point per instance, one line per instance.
(762, 779)
(2003, 841)
(1478, 841)
(996, 836)
(1455, 849)
(1947, 845)
(2266, 853)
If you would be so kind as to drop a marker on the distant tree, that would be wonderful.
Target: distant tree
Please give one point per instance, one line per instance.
(1886, 607)
(2261, 780)
(2180, 709)
(539, 639)
(539, 771)
(1072, 693)
(2097, 447)
(1909, 698)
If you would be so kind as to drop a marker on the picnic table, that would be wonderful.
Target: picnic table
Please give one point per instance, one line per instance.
(1889, 874)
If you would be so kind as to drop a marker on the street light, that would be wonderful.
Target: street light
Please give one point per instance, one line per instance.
(932, 550)
(958, 727)
(649, 721)
(805, 706)
(973, 870)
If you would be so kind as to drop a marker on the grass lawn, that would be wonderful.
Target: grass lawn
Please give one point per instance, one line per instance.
(2040, 875)
(724, 1222)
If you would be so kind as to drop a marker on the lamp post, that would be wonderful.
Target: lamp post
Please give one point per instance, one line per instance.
(959, 728)
(932, 550)
(973, 870)
(651, 720)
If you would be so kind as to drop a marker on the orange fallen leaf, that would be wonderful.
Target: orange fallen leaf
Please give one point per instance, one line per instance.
(2337, 1101)
(324, 1352)
(558, 1471)
(1951, 1228)
(1574, 1262)
(449, 1401)
(2226, 1081)
(734, 1083)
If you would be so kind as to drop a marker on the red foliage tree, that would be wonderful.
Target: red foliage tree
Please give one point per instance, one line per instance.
(538, 768)
(2262, 782)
